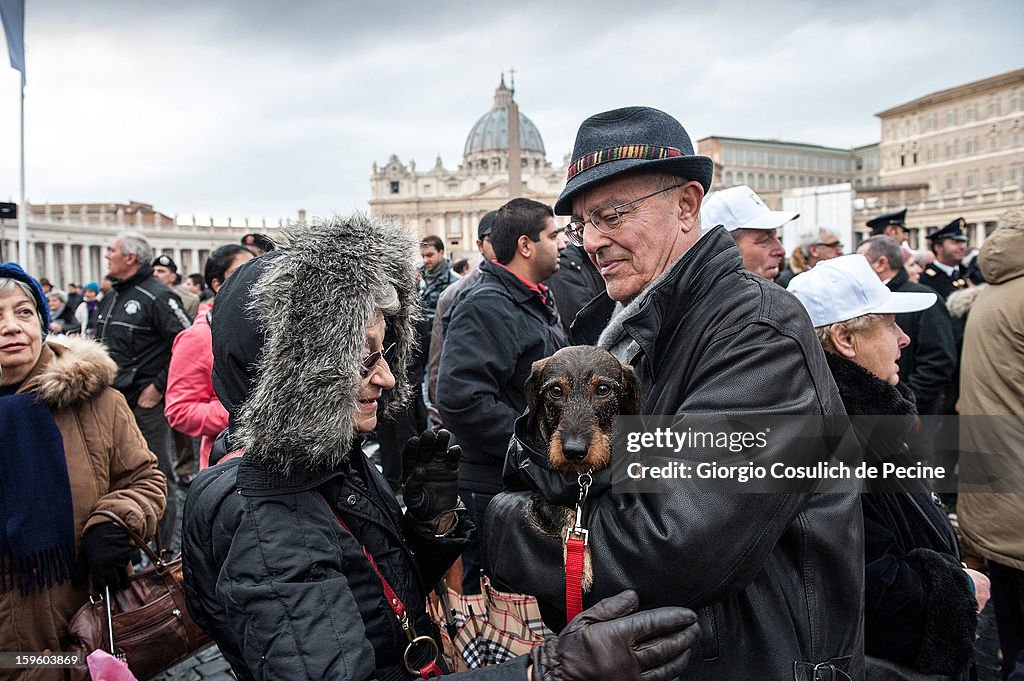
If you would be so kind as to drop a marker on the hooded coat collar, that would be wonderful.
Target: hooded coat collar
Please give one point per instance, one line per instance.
(70, 372)
(305, 312)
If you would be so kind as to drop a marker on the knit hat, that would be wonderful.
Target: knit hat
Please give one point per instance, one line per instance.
(92, 286)
(12, 270)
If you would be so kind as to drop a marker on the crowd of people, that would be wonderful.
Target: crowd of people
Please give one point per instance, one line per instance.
(252, 392)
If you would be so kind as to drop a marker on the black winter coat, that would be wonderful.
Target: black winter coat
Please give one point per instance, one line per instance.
(771, 575)
(928, 364)
(940, 282)
(575, 283)
(286, 591)
(138, 321)
(919, 607)
(493, 335)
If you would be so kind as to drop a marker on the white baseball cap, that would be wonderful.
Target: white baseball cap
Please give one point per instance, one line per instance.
(842, 288)
(740, 208)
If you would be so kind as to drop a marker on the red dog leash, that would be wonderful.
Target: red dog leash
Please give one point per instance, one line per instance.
(576, 538)
(427, 671)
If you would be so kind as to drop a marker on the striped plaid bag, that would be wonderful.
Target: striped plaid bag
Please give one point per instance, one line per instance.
(488, 628)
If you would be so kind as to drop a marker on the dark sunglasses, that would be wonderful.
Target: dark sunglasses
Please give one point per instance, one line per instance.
(370, 363)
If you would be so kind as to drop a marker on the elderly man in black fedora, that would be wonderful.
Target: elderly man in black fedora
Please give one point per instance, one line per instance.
(779, 593)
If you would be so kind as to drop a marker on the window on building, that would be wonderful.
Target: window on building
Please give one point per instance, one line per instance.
(760, 180)
(803, 181)
(739, 177)
(871, 182)
(860, 164)
(428, 189)
(971, 114)
(993, 108)
(728, 155)
(394, 186)
(951, 117)
(859, 183)
(993, 176)
(771, 182)
(971, 146)
(728, 178)
(913, 158)
(1014, 104)
(970, 179)
(950, 182)
(993, 142)
(930, 154)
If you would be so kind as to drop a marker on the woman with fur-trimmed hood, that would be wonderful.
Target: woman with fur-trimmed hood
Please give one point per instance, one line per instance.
(298, 558)
(70, 450)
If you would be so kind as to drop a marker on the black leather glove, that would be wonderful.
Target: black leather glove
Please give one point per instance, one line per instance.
(105, 552)
(430, 469)
(613, 641)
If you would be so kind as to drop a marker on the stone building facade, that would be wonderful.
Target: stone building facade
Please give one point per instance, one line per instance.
(770, 167)
(955, 153)
(67, 242)
(450, 202)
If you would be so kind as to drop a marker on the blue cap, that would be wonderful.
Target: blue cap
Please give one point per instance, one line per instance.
(12, 270)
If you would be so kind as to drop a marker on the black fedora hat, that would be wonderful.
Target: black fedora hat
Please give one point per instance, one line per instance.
(624, 140)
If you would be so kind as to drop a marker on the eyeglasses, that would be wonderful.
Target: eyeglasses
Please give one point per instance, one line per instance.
(608, 221)
(370, 363)
(831, 244)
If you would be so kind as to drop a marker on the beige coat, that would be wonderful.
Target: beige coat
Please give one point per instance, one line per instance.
(992, 403)
(109, 467)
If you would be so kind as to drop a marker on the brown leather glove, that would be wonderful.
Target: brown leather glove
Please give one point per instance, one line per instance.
(613, 641)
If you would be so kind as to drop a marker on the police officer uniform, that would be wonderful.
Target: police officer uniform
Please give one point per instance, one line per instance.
(879, 224)
(935, 276)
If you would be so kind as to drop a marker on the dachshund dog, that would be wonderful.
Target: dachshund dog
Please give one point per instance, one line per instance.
(574, 397)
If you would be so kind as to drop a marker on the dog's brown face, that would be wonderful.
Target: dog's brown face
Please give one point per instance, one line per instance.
(574, 397)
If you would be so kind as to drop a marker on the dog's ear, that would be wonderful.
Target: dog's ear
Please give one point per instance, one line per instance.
(632, 392)
(533, 385)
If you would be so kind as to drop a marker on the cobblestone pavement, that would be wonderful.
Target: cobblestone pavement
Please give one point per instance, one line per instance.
(206, 665)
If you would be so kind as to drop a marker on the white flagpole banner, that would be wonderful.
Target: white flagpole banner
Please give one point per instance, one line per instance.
(13, 14)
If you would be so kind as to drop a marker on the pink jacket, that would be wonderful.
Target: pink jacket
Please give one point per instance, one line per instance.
(190, 404)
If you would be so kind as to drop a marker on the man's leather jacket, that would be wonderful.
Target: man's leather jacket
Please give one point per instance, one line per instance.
(777, 578)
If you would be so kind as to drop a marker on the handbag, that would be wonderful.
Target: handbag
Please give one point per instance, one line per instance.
(149, 623)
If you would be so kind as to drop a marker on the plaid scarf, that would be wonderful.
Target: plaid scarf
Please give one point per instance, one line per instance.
(37, 526)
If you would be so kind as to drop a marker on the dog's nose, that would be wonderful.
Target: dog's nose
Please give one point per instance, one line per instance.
(575, 448)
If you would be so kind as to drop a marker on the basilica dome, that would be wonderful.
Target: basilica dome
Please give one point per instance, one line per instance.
(490, 133)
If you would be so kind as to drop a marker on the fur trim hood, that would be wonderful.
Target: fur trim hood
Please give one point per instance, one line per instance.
(314, 303)
(72, 370)
(959, 302)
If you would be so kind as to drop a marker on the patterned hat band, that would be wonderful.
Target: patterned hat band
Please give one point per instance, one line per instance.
(641, 151)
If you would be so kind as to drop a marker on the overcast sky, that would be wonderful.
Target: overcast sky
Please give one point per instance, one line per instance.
(257, 108)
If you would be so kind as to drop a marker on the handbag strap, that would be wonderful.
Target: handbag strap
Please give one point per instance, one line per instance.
(426, 671)
(136, 539)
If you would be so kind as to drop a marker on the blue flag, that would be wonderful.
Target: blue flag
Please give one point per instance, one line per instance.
(13, 14)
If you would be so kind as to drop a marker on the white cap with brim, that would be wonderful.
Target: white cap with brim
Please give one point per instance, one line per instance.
(846, 287)
(740, 208)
